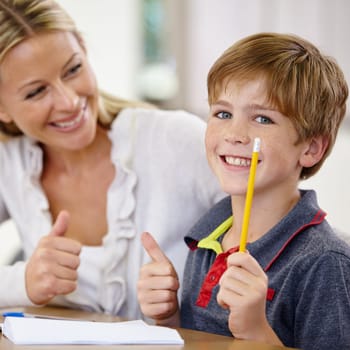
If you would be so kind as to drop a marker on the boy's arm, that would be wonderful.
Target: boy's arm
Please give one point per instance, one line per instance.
(158, 285)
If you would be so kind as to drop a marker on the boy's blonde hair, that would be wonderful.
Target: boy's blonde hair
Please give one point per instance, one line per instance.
(22, 19)
(303, 84)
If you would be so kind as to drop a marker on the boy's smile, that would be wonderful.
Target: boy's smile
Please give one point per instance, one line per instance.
(241, 162)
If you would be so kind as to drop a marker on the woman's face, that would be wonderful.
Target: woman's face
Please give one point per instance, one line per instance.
(48, 89)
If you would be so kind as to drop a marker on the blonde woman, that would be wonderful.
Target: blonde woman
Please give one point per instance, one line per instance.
(84, 173)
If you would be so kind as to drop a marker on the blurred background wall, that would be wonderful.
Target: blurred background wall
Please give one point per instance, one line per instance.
(127, 37)
(161, 50)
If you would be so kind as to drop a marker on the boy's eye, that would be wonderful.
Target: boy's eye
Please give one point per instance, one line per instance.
(35, 92)
(263, 119)
(223, 115)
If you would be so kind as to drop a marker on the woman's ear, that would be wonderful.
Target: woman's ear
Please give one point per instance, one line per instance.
(315, 149)
(4, 117)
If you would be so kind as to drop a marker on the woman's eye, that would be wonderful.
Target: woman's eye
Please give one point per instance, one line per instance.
(74, 69)
(35, 92)
(223, 115)
(263, 119)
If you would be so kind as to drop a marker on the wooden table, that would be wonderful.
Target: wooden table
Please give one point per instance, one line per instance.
(194, 340)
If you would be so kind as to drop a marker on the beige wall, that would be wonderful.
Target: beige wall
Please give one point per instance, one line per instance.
(111, 29)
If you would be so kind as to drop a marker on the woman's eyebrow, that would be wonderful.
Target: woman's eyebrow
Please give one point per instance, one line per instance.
(26, 84)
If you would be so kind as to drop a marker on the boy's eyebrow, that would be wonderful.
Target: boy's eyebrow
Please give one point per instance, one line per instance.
(263, 107)
(222, 103)
(253, 106)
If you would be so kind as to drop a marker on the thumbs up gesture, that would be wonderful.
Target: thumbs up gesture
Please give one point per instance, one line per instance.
(157, 286)
(52, 268)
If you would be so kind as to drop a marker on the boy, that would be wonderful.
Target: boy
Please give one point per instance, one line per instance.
(292, 286)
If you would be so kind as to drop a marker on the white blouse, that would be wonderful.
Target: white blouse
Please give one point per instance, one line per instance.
(163, 186)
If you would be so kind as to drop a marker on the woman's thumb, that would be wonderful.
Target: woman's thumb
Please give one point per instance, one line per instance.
(60, 226)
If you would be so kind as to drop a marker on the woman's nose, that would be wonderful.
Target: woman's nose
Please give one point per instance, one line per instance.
(65, 98)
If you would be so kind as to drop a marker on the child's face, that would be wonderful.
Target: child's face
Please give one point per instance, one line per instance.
(240, 114)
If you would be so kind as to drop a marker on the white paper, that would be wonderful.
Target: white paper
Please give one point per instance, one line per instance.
(27, 331)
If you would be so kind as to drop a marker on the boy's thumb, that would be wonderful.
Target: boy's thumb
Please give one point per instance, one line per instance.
(60, 226)
(152, 248)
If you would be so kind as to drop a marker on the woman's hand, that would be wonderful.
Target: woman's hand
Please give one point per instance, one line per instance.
(157, 286)
(52, 269)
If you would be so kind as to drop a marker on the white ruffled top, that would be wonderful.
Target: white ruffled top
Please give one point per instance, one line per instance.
(163, 185)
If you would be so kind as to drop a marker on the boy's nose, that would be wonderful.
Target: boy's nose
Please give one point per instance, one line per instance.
(237, 132)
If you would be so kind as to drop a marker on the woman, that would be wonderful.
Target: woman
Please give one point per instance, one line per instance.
(84, 173)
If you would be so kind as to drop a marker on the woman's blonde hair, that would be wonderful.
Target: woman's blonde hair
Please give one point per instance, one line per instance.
(22, 19)
(303, 84)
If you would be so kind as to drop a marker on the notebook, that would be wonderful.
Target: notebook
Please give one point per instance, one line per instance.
(28, 331)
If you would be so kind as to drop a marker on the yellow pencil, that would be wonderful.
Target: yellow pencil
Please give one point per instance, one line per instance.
(249, 195)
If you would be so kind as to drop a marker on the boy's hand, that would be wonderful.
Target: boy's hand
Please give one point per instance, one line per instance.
(157, 286)
(52, 269)
(243, 289)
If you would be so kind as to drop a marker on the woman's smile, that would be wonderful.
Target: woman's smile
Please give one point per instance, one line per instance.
(71, 123)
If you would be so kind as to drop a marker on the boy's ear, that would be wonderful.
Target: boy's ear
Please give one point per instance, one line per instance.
(314, 151)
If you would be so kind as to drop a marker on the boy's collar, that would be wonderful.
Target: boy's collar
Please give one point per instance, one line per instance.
(306, 213)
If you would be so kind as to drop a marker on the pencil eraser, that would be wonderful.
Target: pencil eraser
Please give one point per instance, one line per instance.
(256, 147)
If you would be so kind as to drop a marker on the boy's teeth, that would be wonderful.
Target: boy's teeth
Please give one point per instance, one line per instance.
(237, 161)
